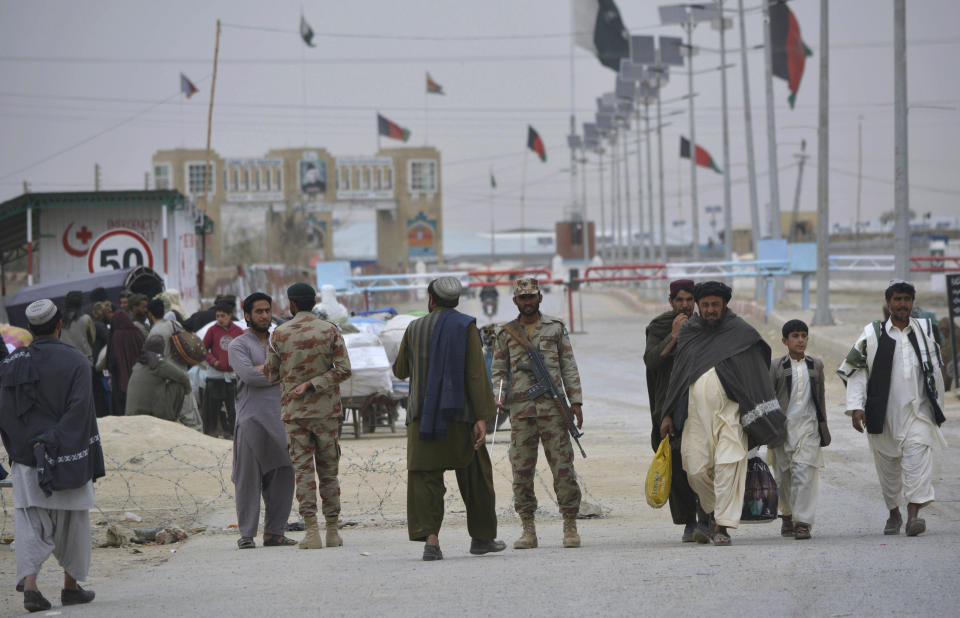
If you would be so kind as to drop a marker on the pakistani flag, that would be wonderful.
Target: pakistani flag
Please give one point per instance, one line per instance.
(306, 32)
(599, 29)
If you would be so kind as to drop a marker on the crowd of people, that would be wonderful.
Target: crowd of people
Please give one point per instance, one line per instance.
(715, 393)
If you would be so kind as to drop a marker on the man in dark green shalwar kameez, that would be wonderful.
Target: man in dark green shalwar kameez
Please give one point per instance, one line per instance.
(449, 404)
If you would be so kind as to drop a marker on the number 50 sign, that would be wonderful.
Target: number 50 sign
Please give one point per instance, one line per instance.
(119, 249)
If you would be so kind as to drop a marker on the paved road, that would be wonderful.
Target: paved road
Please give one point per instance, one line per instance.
(631, 562)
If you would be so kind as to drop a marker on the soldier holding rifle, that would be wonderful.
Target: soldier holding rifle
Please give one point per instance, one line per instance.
(536, 414)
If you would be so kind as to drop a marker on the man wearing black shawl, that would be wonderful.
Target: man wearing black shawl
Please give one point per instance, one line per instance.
(662, 334)
(719, 394)
(49, 427)
(449, 405)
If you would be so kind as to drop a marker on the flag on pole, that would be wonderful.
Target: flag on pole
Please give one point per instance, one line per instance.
(598, 28)
(535, 144)
(306, 32)
(433, 87)
(187, 87)
(789, 51)
(392, 130)
(703, 157)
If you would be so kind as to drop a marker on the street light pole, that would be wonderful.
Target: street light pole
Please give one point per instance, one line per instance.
(695, 219)
(663, 207)
(821, 316)
(748, 126)
(901, 191)
(646, 115)
(727, 200)
(771, 127)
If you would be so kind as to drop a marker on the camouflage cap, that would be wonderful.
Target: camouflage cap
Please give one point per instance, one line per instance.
(526, 285)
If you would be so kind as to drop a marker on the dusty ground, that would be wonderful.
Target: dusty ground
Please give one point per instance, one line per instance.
(631, 562)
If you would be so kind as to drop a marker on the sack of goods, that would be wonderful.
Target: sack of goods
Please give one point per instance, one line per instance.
(659, 475)
(187, 348)
(760, 499)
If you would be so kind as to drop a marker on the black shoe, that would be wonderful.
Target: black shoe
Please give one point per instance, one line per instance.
(688, 531)
(20, 586)
(431, 553)
(69, 596)
(701, 534)
(34, 601)
(485, 547)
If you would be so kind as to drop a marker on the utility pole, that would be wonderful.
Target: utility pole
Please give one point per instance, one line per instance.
(626, 197)
(663, 207)
(901, 191)
(771, 127)
(821, 316)
(207, 174)
(646, 115)
(727, 200)
(603, 216)
(96, 176)
(641, 253)
(146, 181)
(26, 187)
(802, 160)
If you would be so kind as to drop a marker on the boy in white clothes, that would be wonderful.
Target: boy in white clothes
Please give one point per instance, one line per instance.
(798, 382)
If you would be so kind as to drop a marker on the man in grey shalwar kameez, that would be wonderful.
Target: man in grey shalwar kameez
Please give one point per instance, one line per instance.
(261, 463)
(48, 425)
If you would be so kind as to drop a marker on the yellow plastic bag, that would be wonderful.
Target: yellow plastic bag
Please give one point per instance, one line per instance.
(659, 475)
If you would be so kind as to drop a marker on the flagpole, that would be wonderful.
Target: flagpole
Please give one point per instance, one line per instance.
(426, 115)
(748, 127)
(646, 113)
(771, 127)
(493, 242)
(206, 169)
(727, 200)
(694, 207)
(523, 216)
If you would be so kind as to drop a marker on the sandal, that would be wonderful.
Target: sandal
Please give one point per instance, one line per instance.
(278, 541)
(246, 542)
(802, 531)
(719, 538)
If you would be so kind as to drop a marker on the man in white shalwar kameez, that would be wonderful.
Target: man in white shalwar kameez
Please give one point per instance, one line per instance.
(902, 413)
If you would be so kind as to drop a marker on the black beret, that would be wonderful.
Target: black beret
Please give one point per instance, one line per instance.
(712, 288)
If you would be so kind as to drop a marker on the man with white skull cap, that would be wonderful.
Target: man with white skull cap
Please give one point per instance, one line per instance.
(48, 425)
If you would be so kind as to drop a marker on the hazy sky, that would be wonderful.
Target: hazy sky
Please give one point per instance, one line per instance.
(72, 70)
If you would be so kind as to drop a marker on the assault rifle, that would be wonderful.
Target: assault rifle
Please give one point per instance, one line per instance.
(545, 383)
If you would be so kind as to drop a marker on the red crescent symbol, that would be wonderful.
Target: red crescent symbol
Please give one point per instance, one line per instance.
(68, 248)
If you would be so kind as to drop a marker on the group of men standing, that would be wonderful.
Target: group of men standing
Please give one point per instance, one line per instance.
(716, 393)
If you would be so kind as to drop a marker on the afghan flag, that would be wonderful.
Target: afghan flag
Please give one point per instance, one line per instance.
(306, 32)
(187, 87)
(535, 144)
(391, 129)
(703, 157)
(789, 51)
(599, 29)
(433, 87)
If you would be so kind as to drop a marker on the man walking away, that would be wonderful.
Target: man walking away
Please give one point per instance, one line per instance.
(261, 464)
(308, 357)
(533, 421)
(798, 381)
(78, 328)
(662, 334)
(220, 391)
(49, 428)
(895, 391)
(450, 403)
(722, 369)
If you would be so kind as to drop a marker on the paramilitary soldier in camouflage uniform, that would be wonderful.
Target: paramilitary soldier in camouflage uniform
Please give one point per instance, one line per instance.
(309, 359)
(541, 420)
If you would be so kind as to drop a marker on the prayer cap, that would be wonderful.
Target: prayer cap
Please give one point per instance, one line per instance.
(41, 311)
(902, 286)
(685, 285)
(526, 285)
(447, 288)
(301, 290)
(712, 288)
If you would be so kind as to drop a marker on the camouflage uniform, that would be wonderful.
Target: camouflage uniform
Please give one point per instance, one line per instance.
(541, 420)
(310, 349)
